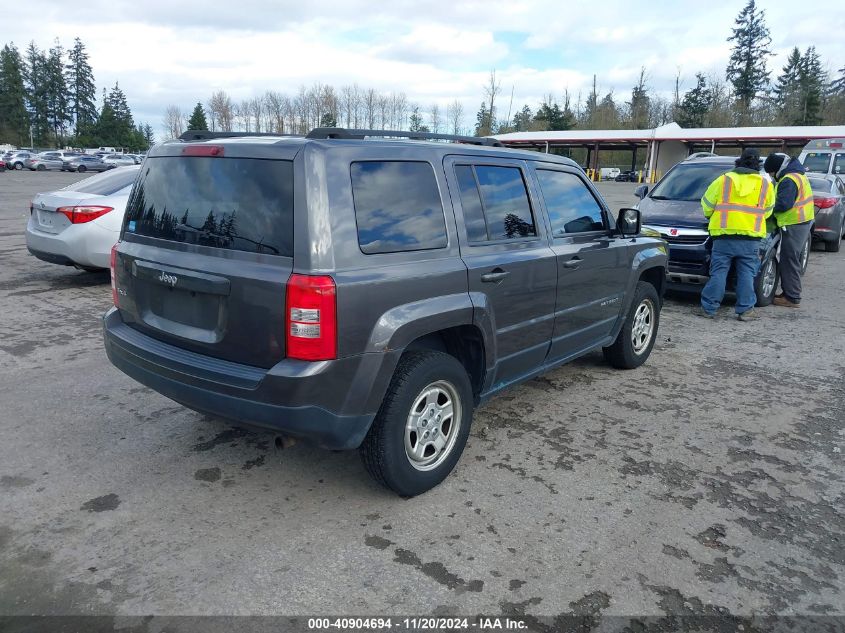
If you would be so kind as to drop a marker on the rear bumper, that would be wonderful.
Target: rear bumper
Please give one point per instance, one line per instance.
(331, 403)
(86, 244)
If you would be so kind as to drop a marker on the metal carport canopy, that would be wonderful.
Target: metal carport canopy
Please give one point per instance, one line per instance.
(774, 135)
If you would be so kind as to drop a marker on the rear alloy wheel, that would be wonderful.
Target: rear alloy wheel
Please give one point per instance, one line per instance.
(422, 427)
(636, 339)
(40, 168)
(805, 254)
(766, 282)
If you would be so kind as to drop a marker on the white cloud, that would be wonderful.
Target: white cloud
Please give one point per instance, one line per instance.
(165, 52)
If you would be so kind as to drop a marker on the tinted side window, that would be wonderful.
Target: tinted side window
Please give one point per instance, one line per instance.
(471, 203)
(572, 208)
(839, 164)
(397, 207)
(505, 201)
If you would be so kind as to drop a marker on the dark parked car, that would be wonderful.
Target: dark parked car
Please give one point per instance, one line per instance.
(628, 176)
(86, 163)
(362, 292)
(673, 209)
(829, 226)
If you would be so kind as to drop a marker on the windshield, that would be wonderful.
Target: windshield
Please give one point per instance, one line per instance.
(817, 161)
(688, 182)
(243, 204)
(107, 183)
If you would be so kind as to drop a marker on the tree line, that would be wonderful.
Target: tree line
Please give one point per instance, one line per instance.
(803, 94)
(320, 105)
(48, 99)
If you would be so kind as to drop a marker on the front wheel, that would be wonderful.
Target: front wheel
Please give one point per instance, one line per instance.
(805, 254)
(636, 339)
(766, 282)
(81, 169)
(422, 426)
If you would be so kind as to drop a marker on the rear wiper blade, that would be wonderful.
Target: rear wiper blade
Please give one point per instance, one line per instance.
(658, 197)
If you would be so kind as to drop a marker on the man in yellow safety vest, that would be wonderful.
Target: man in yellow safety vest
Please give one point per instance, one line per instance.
(794, 212)
(737, 204)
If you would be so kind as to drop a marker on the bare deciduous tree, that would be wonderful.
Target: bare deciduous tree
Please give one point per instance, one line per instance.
(174, 122)
(434, 121)
(454, 116)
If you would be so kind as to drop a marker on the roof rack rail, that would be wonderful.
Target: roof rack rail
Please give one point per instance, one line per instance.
(204, 135)
(344, 133)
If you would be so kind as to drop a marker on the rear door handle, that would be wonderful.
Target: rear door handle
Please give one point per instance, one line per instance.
(497, 274)
(573, 263)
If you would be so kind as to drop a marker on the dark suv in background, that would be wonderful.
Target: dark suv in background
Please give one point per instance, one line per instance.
(361, 292)
(673, 210)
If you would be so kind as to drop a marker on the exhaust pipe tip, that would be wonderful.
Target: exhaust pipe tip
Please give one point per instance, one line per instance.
(284, 441)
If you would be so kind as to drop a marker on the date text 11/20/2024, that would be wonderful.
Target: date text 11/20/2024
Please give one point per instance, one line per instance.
(417, 624)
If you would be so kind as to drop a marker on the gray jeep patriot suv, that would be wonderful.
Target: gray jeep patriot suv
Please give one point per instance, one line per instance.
(369, 293)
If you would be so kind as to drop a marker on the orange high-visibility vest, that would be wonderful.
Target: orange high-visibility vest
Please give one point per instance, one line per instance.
(803, 210)
(738, 204)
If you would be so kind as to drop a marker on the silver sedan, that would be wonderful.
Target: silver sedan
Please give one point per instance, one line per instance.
(78, 225)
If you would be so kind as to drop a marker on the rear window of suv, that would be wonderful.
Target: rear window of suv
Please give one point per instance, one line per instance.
(242, 204)
(397, 207)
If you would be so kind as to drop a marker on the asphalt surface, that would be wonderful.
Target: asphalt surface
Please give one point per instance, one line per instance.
(709, 481)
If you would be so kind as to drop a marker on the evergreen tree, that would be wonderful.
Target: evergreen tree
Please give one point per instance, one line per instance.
(522, 120)
(327, 120)
(788, 88)
(550, 116)
(813, 79)
(58, 113)
(197, 120)
(81, 89)
(35, 81)
(747, 65)
(837, 86)
(695, 104)
(416, 120)
(482, 121)
(149, 136)
(14, 119)
(640, 103)
(107, 129)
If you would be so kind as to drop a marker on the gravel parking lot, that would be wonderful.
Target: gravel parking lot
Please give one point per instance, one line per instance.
(708, 481)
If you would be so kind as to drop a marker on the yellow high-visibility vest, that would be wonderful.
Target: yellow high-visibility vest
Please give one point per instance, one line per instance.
(738, 204)
(804, 209)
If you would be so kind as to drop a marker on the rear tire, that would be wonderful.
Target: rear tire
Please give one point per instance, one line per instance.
(833, 247)
(40, 168)
(766, 282)
(636, 339)
(425, 386)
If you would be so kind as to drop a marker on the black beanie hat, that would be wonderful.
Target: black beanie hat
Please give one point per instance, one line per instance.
(750, 158)
(774, 163)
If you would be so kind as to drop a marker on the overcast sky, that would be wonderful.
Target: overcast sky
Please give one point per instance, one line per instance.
(179, 51)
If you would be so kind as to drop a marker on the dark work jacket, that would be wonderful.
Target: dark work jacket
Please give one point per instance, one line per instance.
(787, 191)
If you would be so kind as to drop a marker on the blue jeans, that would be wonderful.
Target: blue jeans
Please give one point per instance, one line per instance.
(745, 254)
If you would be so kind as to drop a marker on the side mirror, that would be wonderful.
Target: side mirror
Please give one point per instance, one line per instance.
(629, 222)
(641, 191)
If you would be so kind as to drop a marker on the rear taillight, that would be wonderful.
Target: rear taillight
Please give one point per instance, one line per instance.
(311, 318)
(112, 261)
(83, 213)
(203, 150)
(825, 203)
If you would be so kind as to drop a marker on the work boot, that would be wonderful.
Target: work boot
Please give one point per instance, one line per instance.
(704, 313)
(783, 302)
(748, 315)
